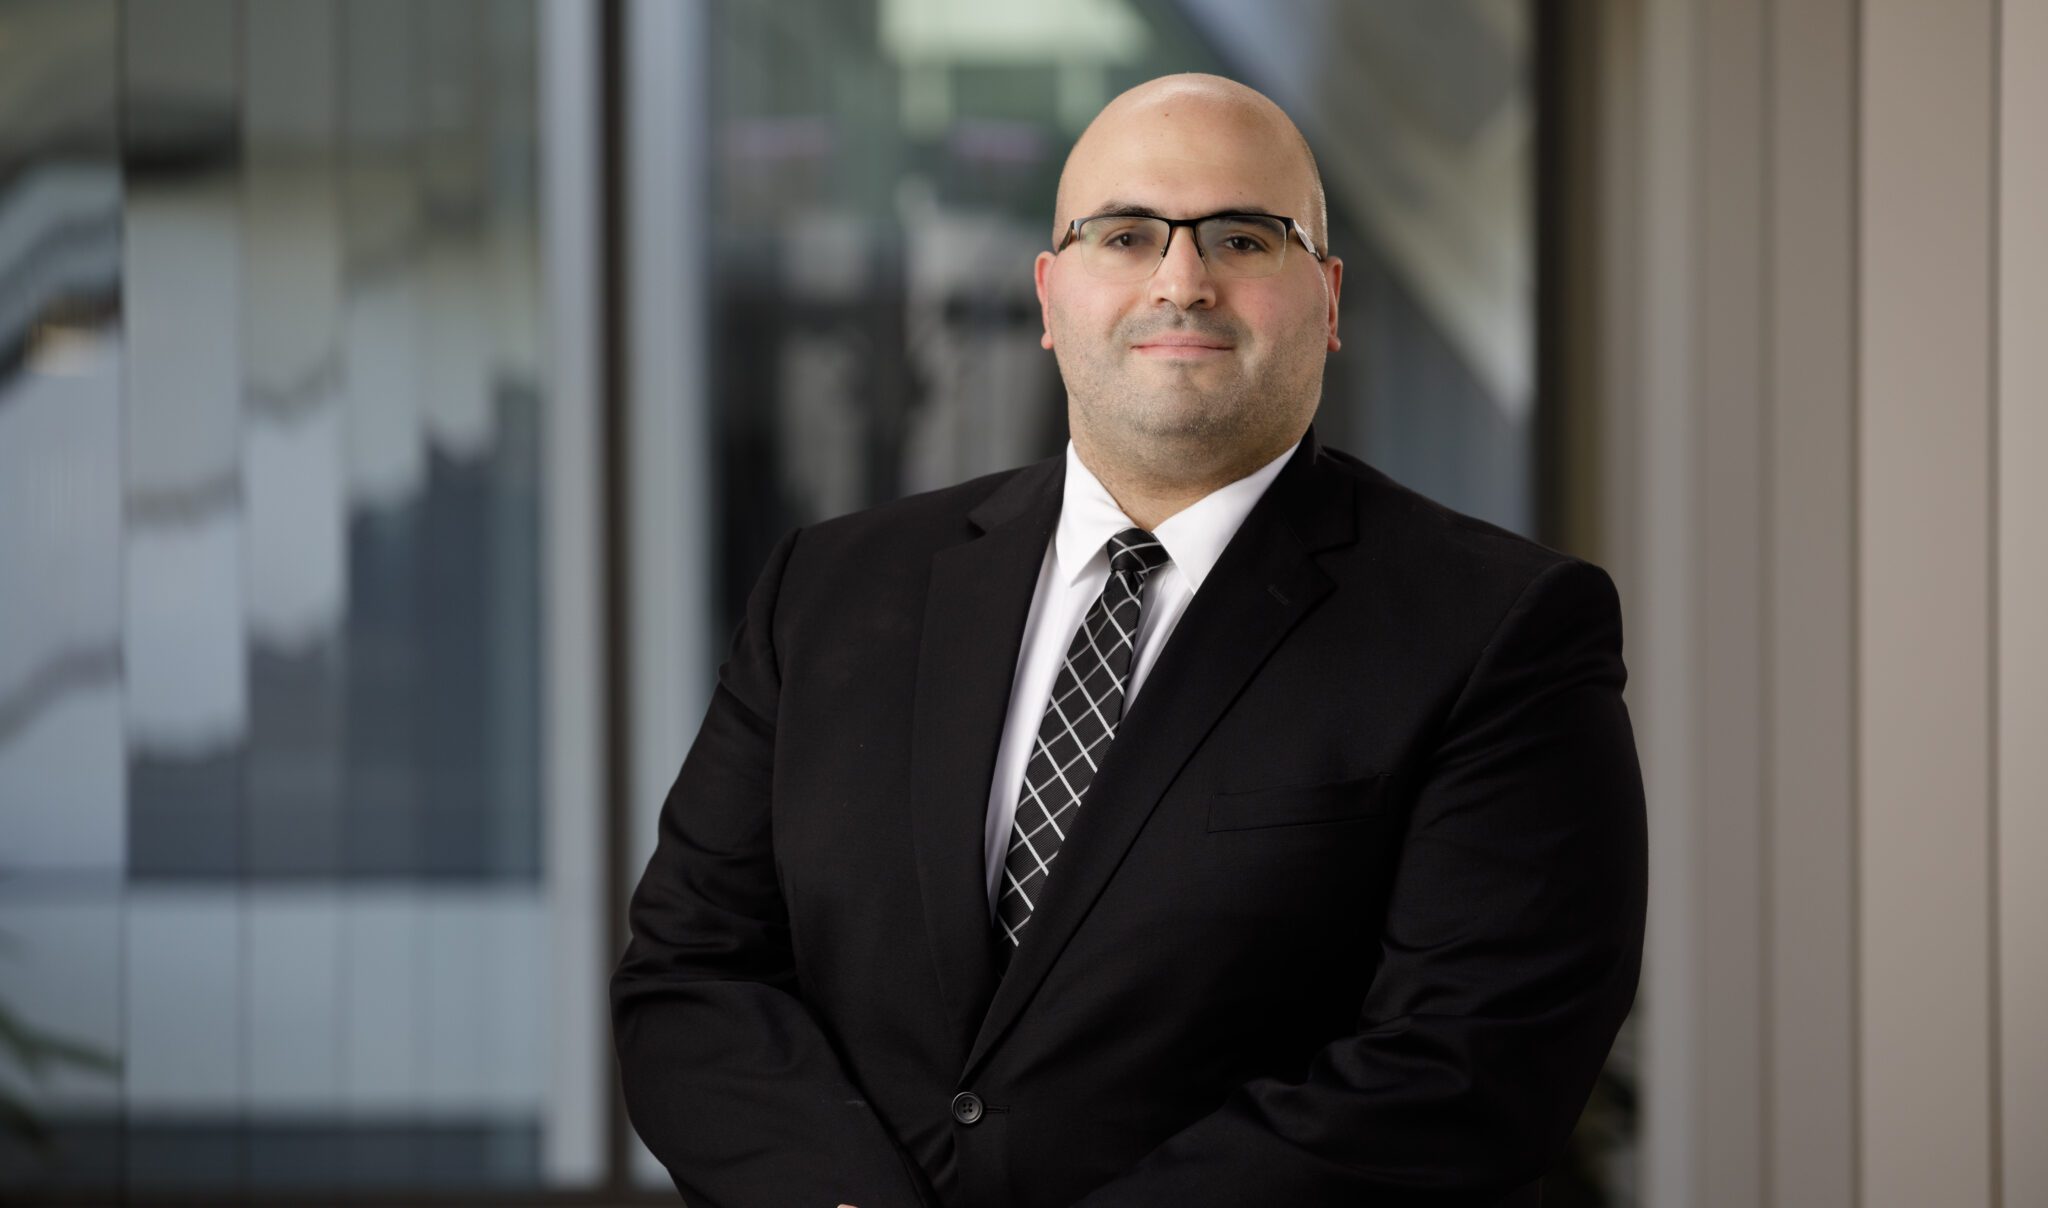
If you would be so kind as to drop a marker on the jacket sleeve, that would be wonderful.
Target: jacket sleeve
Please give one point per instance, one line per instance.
(1509, 956)
(727, 1076)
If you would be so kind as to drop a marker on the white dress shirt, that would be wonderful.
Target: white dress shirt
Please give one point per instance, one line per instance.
(1074, 572)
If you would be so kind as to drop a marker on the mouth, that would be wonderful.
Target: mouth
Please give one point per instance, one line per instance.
(1176, 347)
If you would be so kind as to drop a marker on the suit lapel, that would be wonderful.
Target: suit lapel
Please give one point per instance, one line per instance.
(1260, 588)
(979, 598)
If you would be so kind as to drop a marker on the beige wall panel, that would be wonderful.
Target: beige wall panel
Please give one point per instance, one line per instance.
(1811, 836)
(1731, 402)
(1667, 654)
(1924, 645)
(1615, 249)
(2022, 589)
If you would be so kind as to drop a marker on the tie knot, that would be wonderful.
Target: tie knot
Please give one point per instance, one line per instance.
(1135, 552)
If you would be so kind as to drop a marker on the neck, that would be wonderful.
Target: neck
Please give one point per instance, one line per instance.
(1149, 497)
(1147, 506)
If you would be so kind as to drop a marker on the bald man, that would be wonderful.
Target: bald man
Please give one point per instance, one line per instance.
(1195, 818)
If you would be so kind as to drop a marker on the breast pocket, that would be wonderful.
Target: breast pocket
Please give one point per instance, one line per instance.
(1299, 804)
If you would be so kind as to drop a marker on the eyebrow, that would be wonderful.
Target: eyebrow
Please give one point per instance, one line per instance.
(1127, 209)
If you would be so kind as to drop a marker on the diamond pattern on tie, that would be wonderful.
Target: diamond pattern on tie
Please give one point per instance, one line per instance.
(1080, 719)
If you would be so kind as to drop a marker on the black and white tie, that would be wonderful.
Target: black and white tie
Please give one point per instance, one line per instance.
(1080, 718)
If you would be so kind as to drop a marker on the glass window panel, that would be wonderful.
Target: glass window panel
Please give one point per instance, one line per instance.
(272, 891)
(61, 711)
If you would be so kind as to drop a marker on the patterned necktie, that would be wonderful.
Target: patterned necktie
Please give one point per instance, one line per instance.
(1080, 719)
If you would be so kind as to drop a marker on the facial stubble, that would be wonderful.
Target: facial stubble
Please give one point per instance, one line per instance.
(1203, 422)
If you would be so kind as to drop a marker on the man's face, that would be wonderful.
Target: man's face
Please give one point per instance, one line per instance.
(1185, 363)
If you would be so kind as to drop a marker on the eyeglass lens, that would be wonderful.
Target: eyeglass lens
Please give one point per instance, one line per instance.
(1234, 245)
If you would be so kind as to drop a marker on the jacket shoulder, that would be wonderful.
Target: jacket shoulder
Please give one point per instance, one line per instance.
(918, 525)
(1437, 568)
(883, 553)
(1404, 524)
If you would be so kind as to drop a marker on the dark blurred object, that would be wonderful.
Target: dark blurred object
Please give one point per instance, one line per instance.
(1605, 1135)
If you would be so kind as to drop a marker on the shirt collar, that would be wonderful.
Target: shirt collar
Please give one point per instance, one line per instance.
(1194, 537)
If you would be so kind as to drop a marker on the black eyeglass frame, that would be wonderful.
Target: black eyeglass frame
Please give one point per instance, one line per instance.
(1173, 224)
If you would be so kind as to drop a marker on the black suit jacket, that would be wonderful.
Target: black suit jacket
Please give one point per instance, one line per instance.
(1350, 916)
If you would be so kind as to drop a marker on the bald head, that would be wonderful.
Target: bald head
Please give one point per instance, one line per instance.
(1204, 123)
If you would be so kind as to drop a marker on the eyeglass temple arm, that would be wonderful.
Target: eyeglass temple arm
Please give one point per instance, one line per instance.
(1302, 234)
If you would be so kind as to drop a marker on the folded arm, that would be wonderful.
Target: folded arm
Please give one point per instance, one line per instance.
(727, 1076)
(1510, 954)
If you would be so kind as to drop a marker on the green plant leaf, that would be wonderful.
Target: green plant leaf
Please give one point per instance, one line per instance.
(35, 1051)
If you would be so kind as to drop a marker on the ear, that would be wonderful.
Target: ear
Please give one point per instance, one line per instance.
(1041, 269)
(1333, 276)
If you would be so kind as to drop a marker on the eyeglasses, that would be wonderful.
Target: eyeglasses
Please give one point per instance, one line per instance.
(1129, 247)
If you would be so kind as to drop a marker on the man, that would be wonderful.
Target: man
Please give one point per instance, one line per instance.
(1199, 818)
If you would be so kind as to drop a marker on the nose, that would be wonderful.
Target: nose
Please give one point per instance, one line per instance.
(1182, 277)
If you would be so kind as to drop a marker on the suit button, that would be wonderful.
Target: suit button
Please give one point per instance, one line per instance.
(967, 1107)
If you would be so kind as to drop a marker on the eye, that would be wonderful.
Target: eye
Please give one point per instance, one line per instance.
(1243, 238)
(1134, 237)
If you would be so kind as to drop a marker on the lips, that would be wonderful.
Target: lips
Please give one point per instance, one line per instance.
(1180, 345)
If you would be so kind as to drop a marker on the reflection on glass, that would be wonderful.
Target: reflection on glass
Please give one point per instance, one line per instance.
(61, 705)
(270, 627)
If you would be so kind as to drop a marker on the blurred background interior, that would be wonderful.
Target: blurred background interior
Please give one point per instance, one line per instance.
(398, 398)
